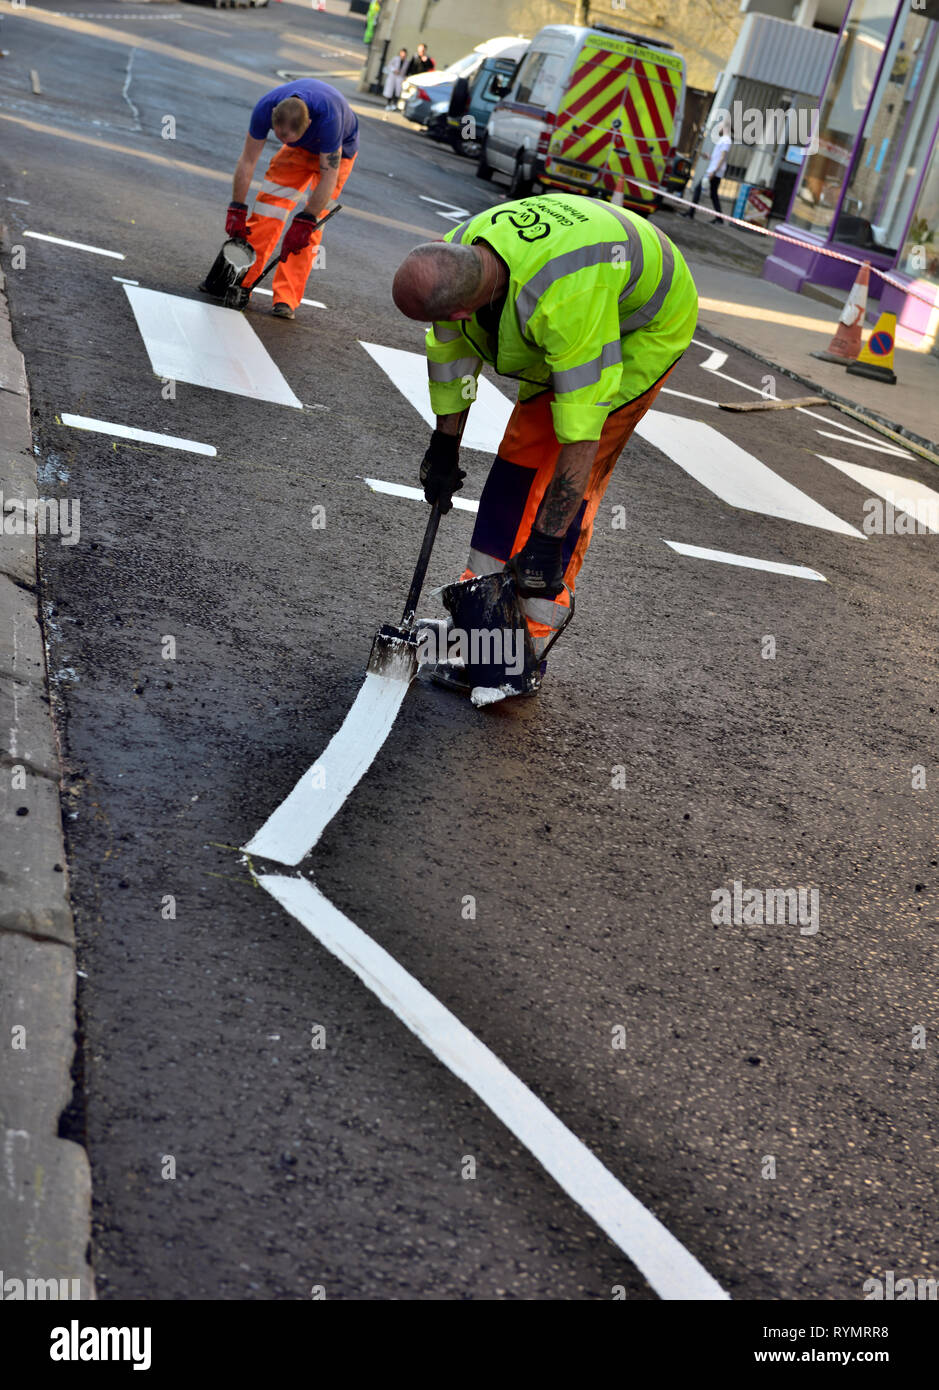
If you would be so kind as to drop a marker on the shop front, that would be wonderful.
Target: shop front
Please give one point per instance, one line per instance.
(870, 190)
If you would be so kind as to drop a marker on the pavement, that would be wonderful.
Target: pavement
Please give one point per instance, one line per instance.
(46, 1184)
(783, 329)
(747, 696)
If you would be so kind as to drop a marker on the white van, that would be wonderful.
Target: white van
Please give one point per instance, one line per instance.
(589, 108)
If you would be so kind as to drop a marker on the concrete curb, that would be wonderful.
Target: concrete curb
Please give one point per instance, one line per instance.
(45, 1188)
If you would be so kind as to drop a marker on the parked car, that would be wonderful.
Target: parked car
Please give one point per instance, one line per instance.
(426, 95)
(590, 105)
(472, 102)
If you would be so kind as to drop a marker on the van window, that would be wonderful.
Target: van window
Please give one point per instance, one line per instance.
(540, 77)
(548, 78)
(533, 65)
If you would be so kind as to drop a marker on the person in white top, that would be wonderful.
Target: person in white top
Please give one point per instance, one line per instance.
(394, 77)
(717, 167)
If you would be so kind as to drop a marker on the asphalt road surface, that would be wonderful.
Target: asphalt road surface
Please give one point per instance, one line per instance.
(757, 1087)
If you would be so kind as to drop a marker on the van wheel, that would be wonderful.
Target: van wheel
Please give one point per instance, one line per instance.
(519, 185)
(483, 170)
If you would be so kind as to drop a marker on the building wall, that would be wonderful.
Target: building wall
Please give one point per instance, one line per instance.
(703, 33)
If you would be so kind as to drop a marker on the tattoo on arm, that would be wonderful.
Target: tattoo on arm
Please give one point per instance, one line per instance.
(567, 488)
(332, 160)
(560, 503)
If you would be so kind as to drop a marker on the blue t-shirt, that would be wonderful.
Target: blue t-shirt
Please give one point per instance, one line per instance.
(333, 123)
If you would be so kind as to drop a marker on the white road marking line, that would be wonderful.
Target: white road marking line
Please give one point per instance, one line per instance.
(671, 1270)
(716, 359)
(207, 345)
(490, 411)
(463, 504)
(701, 400)
(313, 303)
(169, 441)
(904, 494)
(76, 245)
(802, 409)
(733, 474)
(454, 214)
(867, 444)
(293, 829)
(121, 280)
(726, 557)
(23, 201)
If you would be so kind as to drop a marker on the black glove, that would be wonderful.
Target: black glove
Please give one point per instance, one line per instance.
(538, 567)
(441, 473)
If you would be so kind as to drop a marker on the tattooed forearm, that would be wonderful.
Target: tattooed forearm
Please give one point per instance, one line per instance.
(567, 488)
(332, 160)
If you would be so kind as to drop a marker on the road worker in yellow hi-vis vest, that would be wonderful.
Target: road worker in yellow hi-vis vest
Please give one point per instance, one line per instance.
(590, 307)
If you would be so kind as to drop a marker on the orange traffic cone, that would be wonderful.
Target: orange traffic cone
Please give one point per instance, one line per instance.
(617, 197)
(846, 344)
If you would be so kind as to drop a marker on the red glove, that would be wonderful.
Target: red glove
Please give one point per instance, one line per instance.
(298, 234)
(236, 222)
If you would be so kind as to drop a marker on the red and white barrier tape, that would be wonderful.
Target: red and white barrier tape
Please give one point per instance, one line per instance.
(792, 241)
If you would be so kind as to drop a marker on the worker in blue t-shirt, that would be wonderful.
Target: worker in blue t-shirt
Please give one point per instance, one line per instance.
(320, 137)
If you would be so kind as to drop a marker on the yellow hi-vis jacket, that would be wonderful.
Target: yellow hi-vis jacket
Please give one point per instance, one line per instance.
(600, 304)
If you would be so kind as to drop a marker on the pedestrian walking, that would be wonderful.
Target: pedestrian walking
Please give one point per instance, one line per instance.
(590, 307)
(717, 167)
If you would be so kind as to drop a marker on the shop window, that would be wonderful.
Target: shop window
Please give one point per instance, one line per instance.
(920, 254)
(896, 139)
(860, 51)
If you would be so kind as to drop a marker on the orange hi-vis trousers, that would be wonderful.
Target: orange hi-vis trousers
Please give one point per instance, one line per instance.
(291, 173)
(516, 485)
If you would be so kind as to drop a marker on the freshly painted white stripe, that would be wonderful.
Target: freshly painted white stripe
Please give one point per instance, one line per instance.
(904, 494)
(462, 504)
(802, 409)
(169, 441)
(121, 280)
(750, 562)
(313, 303)
(671, 1270)
(734, 475)
(701, 400)
(293, 829)
(867, 444)
(207, 345)
(23, 201)
(76, 245)
(488, 416)
(454, 214)
(715, 361)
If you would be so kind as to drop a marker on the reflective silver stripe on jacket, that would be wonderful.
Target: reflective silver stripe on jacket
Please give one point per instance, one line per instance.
(647, 312)
(581, 258)
(446, 335)
(588, 373)
(452, 371)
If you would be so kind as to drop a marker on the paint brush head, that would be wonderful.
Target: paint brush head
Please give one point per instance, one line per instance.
(393, 654)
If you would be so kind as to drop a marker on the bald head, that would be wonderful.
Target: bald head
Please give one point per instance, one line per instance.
(439, 280)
